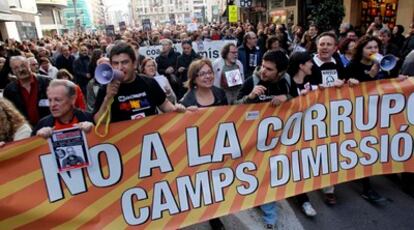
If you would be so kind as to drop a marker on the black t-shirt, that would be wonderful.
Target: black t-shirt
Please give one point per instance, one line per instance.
(190, 99)
(280, 87)
(327, 70)
(360, 71)
(134, 100)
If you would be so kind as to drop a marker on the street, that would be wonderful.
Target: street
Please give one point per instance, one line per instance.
(351, 211)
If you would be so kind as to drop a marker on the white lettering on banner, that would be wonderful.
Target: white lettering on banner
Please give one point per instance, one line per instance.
(226, 143)
(128, 207)
(191, 192)
(188, 190)
(75, 179)
(152, 145)
(210, 49)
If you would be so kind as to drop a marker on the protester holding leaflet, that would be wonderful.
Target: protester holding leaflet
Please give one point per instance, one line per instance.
(326, 70)
(62, 97)
(149, 69)
(228, 71)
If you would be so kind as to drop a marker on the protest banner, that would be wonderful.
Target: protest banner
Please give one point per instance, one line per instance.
(177, 169)
(207, 49)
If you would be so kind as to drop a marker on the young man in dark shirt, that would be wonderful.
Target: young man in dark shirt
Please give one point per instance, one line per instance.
(133, 96)
(271, 83)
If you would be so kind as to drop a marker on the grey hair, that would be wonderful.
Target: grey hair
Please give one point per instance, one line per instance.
(166, 41)
(30, 59)
(70, 86)
(18, 58)
(386, 31)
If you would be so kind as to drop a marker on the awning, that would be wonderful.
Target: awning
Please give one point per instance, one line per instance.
(10, 17)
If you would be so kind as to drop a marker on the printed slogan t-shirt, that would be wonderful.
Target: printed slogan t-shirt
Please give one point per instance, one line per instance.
(134, 100)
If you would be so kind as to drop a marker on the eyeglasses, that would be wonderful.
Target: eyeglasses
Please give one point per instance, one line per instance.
(204, 74)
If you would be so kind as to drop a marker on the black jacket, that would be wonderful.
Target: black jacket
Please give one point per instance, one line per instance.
(184, 61)
(408, 45)
(63, 63)
(80, 68)
(12, 93)
(49, 121)
(164, 62)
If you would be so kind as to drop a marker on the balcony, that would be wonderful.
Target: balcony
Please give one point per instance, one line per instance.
(56, 3)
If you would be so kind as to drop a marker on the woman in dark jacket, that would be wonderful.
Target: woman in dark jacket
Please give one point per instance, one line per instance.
(185, 59)
(201, 91)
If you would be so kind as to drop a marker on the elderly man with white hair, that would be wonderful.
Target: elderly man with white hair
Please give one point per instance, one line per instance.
(62, 96)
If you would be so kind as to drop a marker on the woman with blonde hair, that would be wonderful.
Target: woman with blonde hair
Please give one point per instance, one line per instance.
(13, 126)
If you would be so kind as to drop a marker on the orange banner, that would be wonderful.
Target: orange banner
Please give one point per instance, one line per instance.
(174, 170)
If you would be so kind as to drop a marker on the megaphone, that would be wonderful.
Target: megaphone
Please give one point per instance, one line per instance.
(386, 62)
(104, 74)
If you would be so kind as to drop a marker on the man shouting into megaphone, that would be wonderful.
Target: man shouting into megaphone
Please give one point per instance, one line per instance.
(130, 96)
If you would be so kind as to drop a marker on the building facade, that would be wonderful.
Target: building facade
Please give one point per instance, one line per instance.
(359, 13)
(84, 17)
(19, 20)
(162, 11)
(51, 16)
(393, 12)
(98, 13)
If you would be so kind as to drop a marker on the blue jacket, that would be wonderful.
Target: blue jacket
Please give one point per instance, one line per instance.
(248, 71)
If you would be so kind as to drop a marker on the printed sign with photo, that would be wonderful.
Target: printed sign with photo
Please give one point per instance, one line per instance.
(70, 149)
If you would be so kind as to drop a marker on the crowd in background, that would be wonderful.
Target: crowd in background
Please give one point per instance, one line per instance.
(266, 63)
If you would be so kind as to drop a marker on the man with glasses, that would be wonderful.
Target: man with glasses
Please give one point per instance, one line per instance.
(228, 71)
(28, 93)
(249, 53)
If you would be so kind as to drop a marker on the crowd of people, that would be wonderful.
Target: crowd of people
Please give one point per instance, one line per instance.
(49, 83)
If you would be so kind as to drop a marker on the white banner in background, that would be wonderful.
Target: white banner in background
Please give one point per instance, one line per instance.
(208, 49)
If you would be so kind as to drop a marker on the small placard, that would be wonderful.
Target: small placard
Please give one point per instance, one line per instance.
(70, 149)
(233, 78)
(252, 115)
(329, 77)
